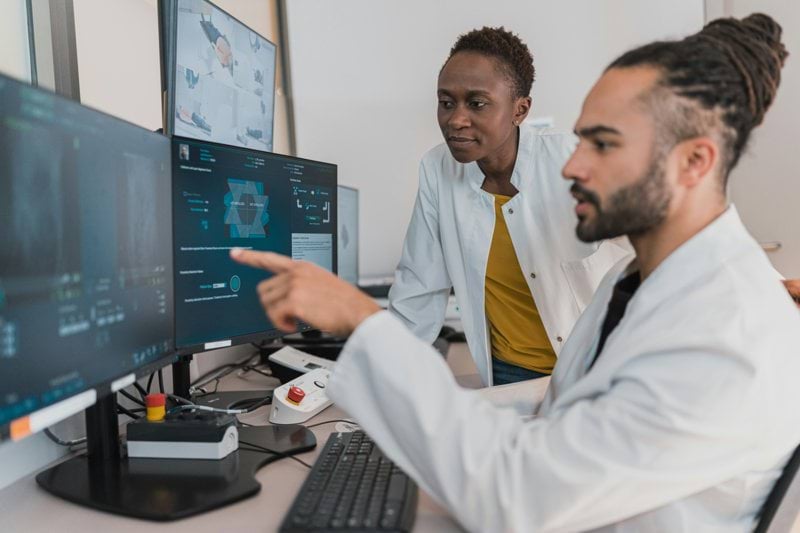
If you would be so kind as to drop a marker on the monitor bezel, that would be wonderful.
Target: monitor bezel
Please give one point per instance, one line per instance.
(168, 34)
(358, 230)
(103, 387)
(260, 336)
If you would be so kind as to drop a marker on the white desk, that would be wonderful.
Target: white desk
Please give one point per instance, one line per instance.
(24, 507)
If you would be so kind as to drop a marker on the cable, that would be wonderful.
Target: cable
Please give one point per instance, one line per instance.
(160, 381)
(150, 382)
(331, 422)
(221, 371)
(141, 390)
(254, 368)
(131, 397)
(274, 452)
(178, 399)
(69, 443)
(194, 407)
(126, 412)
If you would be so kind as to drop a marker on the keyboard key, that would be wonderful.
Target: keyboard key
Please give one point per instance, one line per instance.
(353, 487)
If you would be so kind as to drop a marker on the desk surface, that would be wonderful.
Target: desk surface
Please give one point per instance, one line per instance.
(25, 507)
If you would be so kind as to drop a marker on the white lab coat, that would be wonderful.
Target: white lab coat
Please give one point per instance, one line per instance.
(450, 233)
(683, 424)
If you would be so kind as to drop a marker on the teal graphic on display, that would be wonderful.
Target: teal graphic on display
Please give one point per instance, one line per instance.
(246, 212)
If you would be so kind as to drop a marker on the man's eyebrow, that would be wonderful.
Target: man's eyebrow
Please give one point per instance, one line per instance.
(591, 131)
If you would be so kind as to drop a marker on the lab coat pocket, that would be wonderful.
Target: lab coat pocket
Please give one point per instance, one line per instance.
(584, 275)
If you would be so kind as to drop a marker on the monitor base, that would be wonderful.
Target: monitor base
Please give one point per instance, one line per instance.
(170, 489)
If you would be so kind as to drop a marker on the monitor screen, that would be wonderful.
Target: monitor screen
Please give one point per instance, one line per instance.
(86, 256)
(226, 197)
(222, 78)
(348, 234)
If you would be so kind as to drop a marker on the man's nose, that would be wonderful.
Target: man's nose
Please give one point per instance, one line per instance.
(575, 168)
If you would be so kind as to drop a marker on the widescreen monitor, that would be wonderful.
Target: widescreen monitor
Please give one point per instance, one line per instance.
(86, 282)
(226, 197)
(219, 74)
(348, 234)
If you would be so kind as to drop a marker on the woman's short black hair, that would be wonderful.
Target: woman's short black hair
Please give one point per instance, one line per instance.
(513, 55)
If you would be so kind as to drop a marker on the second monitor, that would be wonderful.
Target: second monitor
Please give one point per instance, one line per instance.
(226, 197)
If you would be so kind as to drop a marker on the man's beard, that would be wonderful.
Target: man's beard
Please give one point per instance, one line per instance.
(632, 210)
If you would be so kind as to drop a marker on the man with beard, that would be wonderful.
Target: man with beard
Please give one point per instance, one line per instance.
(673, 405)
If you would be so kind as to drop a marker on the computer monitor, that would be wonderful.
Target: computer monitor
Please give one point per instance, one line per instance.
(219, 76)
(86, 304)
(226, 197)
(86, 283)
(348, 234)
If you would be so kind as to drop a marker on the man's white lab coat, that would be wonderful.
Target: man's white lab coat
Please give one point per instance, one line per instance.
(683, 424)
(450, 233)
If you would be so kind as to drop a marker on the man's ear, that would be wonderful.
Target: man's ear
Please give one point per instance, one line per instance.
(698, 160)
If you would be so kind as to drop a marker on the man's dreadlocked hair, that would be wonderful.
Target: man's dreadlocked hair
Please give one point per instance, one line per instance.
(513, 55)
(725, 77)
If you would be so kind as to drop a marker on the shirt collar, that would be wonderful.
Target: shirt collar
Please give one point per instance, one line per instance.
(520, 174)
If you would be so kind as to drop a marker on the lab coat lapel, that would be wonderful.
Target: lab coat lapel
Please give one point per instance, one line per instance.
(679, 272)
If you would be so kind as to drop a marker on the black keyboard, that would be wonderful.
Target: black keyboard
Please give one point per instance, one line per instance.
(353, 487)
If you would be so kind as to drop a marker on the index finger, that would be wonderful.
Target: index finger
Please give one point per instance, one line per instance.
(265, 260)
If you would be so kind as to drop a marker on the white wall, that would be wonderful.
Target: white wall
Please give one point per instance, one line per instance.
(766, 184)
(364, 82)
(15, 59)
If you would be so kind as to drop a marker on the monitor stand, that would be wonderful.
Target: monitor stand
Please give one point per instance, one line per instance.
(181, 383)
(163, 489)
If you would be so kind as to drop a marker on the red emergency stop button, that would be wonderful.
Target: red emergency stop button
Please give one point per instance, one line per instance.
(295, 395)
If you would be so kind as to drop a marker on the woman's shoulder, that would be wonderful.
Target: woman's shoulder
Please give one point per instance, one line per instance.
(546, 137)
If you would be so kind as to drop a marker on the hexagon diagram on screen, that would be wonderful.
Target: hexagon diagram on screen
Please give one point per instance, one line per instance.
(246, 209)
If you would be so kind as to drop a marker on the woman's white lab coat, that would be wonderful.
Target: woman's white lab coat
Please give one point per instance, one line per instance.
(448, 240)
(683, 423)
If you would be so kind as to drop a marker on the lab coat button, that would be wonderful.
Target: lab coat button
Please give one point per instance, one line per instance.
(559, 339)
(533, 275)
(510, 211)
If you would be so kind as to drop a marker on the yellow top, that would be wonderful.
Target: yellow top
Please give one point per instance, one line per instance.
(516, 330)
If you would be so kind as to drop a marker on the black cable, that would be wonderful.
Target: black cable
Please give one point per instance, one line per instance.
(131, 397)
(259, 404)
(331, 422)
(69, 443)
(223, 370)
(126, 412)
(257, 370)
(160, 381)
(141, 390)
(178, 399)
(274, 452)
(150, 382)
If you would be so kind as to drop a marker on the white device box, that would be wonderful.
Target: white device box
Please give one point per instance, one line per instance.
(299, 361)
(314, 385)
(160, 449)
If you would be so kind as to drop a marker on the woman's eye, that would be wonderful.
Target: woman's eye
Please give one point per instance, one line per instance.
(477, 104)
(446, 104)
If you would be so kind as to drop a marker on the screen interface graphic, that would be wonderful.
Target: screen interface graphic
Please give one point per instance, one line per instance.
(224, 79)
(86, 256)
(227, 197)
